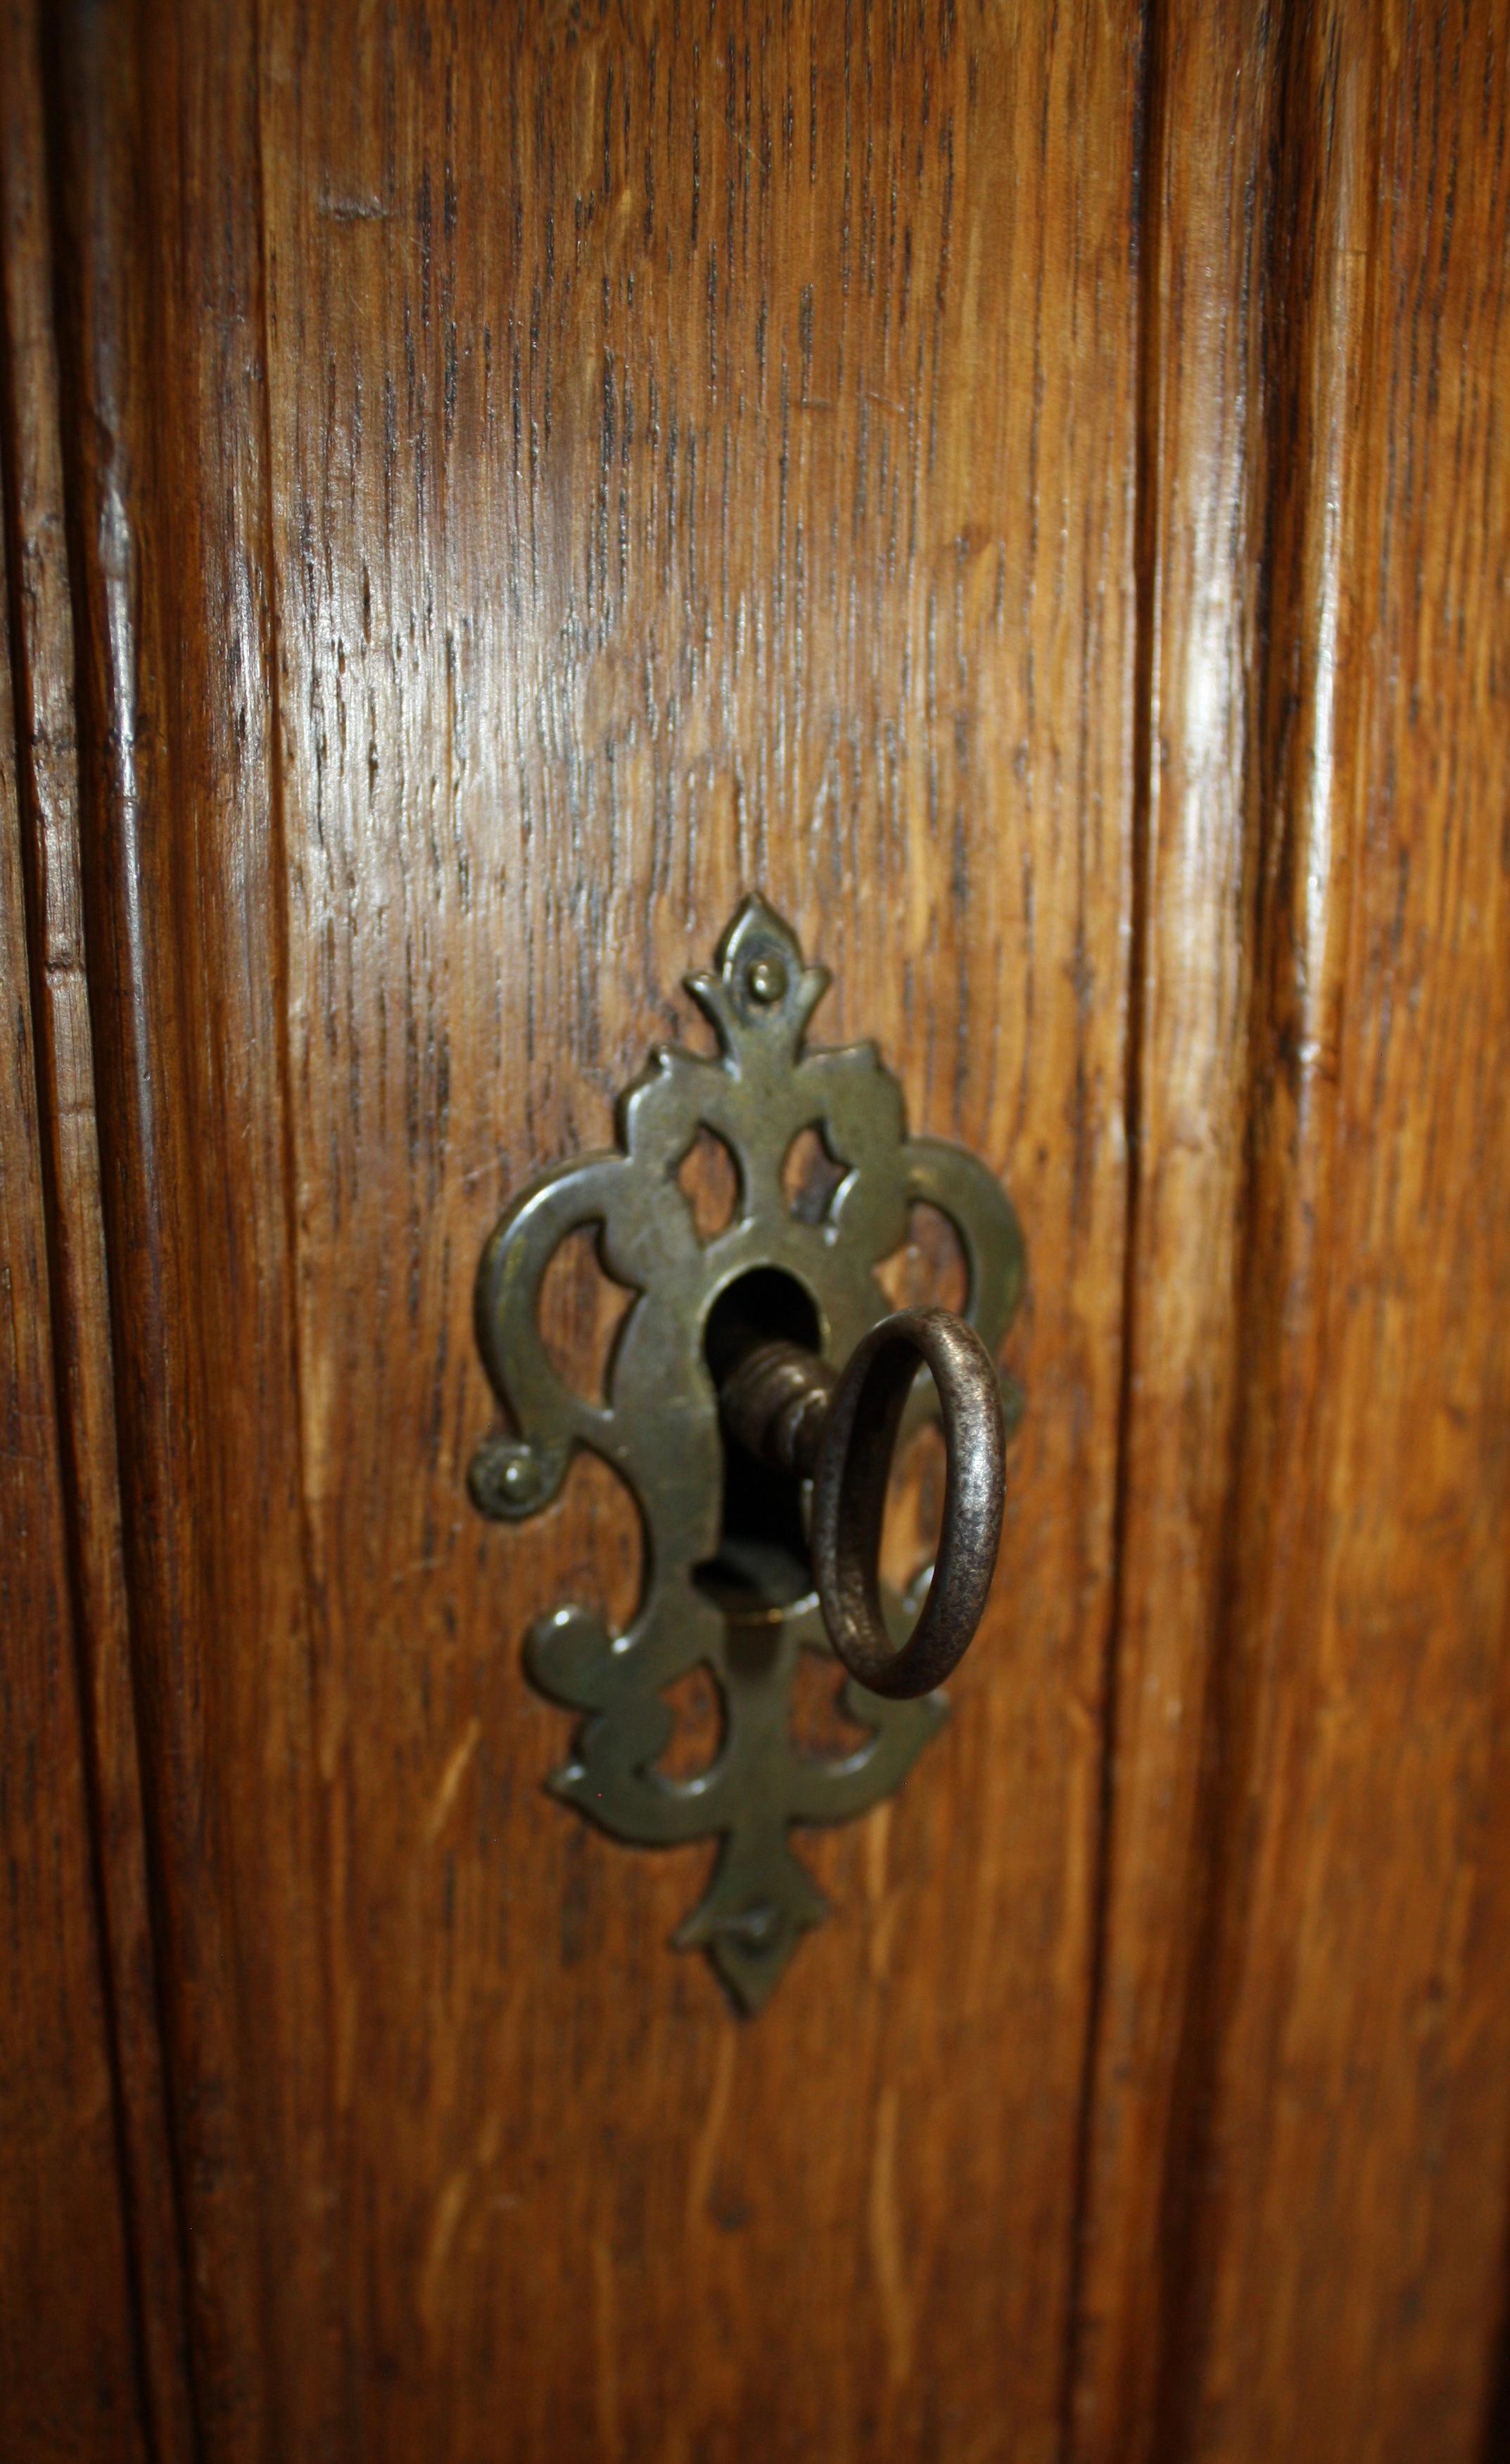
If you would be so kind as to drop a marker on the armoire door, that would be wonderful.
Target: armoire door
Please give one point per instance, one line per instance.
(1025, 490)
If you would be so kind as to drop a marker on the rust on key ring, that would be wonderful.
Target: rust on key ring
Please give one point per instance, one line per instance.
(785, 1405)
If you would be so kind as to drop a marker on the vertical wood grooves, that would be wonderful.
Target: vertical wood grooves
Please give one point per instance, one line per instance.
(85, 1635)
(1199, 497)
(1303, 1886)
(1031, 486)
(68, 2318)
(169, 532)
(1297, 569)
(105, 604)
(346, 2400)
(43, 651)
(1310, 332)
(1149, 145)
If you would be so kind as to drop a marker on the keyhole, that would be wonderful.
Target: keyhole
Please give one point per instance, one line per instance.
(761, 1566)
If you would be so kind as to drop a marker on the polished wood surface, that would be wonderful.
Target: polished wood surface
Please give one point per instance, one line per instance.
(69, 2387)
(46, 785)
(1202, 508)
(1295, 2229)
(1025, 490)
(603, 466)
(1352, 2096)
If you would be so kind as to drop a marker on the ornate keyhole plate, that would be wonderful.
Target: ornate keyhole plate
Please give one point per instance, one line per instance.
(660, 1429)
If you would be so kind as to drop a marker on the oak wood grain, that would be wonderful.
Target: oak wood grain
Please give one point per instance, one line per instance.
(48, 793)
(1317, 2076)
(154, 169)
(1025, 490)
(1203, 507)
(1360, 2071)
(662, 444)
(69, 2387)
(611, 460)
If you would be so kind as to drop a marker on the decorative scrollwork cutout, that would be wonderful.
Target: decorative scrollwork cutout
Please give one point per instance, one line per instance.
(658, 1425)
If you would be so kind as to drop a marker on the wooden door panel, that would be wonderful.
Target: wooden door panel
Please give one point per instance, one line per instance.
(99, 1801)
(1023, 489)
(68, 2386)
(674, 494)
(151, 136)
(592, 485)
(1293, 2230)
(1358, 2045)
(1203, 497)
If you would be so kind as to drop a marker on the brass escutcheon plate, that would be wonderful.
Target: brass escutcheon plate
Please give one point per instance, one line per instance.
(744, 1611)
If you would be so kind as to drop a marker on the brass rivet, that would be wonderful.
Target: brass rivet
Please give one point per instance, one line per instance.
(767, 981)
